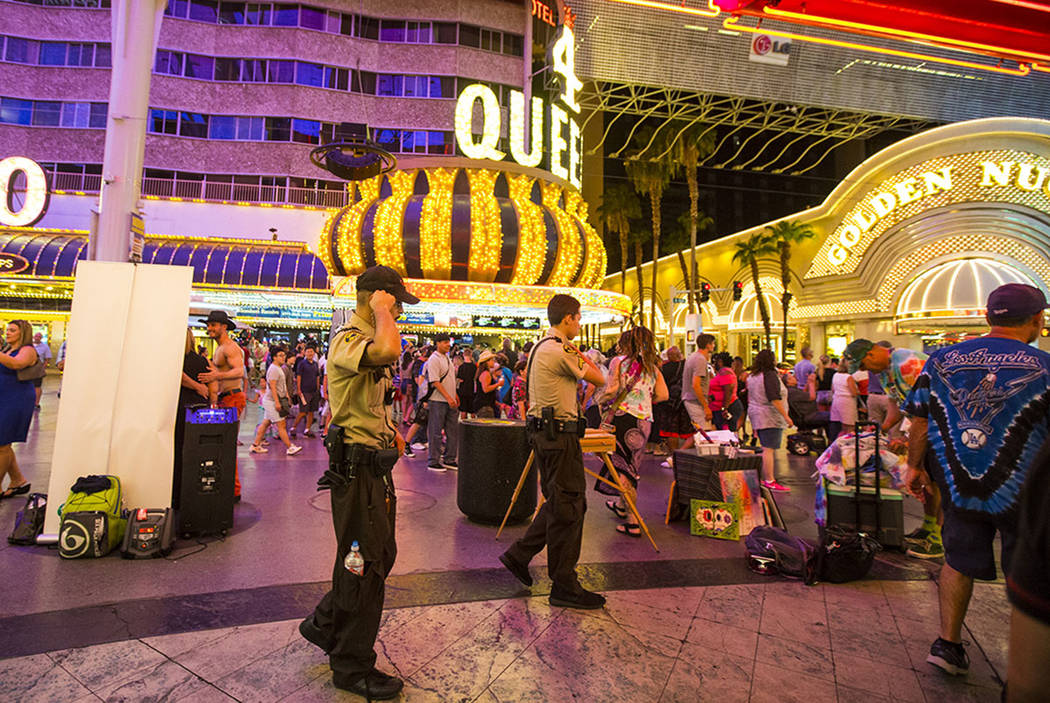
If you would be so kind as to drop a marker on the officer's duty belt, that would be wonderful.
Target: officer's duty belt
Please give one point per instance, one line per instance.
(536, 424)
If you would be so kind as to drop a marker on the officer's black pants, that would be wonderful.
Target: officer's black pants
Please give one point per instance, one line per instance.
(349, 613)
(559, 522)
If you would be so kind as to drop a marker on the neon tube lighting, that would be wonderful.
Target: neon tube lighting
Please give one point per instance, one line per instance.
(907, 35)
(712, 10)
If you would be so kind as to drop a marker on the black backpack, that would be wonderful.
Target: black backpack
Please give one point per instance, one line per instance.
(29, 522)
(845, 555)
(791, 556)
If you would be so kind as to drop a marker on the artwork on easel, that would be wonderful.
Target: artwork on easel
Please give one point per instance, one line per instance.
(709, 518)
(741, 488)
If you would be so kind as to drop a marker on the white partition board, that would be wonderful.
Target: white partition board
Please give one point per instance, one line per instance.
(124, 348)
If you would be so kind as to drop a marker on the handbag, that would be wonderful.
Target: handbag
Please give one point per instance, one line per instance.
(284, 406)
(29, 522)
(845, 555)
(32, 373)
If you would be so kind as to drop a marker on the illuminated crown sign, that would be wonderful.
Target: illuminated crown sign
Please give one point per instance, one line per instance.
(558, 154)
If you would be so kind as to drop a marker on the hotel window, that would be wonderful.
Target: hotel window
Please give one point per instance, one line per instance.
(366, 27)
(285, 15)
(491, 41)
(227, 69)
(363, 82)
(253, 70)
(47, 113)
(469, 35)
(20, 50)
(164, 121)
(222, 127)
(390, 85)
(193, 124)
(336, 78)
(445, 33)
(76, 115)
(280, 71)
(250, 128)
(417, 32)
(52, 53)
(389, 139)
(309, 73)
(278, 129)
(16, 111)
(306, 131)
(417, 86)
(442, 86)
(231, 13)
(168, 62)
(312, 18)
(257, 13)
(198, 66)
(204, 11)
(99, 113)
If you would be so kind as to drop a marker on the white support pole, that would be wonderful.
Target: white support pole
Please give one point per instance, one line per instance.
(135, 26)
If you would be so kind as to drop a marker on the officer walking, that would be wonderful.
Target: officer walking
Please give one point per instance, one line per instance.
(554, 427)
(363, 447)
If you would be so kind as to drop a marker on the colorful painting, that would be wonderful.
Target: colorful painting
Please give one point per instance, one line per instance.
(709, 518)
(741, 489)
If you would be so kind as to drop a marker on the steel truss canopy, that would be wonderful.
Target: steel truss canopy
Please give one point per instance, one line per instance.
(758, 135)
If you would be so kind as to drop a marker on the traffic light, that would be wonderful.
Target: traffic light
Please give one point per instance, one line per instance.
(705, 292)
(738, 290)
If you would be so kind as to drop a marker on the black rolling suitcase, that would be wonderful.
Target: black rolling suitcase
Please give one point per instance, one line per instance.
(870, 509)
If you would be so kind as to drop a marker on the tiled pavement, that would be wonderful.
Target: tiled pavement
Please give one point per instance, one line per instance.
(778, 641)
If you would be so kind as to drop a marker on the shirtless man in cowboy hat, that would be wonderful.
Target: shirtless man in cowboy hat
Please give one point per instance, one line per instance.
(227, 368)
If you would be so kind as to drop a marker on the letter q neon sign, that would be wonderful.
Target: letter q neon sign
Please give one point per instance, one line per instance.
(36, 194)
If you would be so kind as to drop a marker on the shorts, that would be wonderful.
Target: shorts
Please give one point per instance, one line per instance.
(313, 401)
(770, 437)
(968, 541)
(38, 382)
(270, 411)
(696, 414)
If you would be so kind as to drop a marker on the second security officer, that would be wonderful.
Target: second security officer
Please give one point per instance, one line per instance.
(363, 446)
(554, 427)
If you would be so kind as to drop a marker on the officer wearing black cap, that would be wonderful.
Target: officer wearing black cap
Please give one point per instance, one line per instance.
(555, 426)
(363, 446)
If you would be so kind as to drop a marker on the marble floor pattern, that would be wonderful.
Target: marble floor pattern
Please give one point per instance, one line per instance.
(777, 641)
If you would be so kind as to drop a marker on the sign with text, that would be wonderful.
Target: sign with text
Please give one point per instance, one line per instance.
(767, 49)
(34, 195)
(12, 263)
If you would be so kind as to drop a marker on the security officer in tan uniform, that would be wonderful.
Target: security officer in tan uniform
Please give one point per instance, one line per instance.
(554, 427)
(363, 446)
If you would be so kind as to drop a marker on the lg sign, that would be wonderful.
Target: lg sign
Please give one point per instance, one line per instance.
(771, 50)
(34, 205)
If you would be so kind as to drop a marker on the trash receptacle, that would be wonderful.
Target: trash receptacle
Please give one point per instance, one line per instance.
(492, 454)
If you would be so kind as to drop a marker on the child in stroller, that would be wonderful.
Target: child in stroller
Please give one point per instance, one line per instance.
(812, 423)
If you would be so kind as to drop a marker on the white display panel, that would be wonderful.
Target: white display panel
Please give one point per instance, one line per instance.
(124, 349)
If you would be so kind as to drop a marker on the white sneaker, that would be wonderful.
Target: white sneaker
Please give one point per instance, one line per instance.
(256, 449)
(293, 450)
(666, 464)
(436, 468)
(419, 445)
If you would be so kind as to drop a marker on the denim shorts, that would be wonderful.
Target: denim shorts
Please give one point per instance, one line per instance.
(770, 437)
(968, 541)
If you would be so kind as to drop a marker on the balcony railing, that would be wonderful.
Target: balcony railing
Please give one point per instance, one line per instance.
(210, 190)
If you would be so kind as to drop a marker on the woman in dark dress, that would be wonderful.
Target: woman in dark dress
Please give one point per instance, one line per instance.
(488, 380)
(465, 385)
(16, 406)
(672, 419)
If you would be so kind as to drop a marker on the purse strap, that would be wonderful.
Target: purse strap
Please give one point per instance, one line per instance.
(624, 392)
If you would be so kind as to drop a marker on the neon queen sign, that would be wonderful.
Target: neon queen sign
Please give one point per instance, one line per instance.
(36, 192)
(563, 154)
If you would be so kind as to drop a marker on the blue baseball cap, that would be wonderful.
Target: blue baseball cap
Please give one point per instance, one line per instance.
(1015, 300)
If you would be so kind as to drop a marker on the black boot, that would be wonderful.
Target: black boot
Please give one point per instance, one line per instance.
(375, 685)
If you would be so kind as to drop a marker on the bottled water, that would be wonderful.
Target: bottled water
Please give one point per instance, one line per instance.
(354, 562)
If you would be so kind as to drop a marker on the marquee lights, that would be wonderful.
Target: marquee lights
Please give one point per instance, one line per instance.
(435, 227)
(532, 231)
(36, 193)
(984, 176)
(486, 228)
(565, 153)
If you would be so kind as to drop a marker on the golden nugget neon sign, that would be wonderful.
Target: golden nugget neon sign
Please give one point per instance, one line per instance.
(561, 144)
(976, 180)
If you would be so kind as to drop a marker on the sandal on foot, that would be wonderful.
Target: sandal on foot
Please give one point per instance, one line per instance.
(16, 491)
(613, 506)
(630, 529)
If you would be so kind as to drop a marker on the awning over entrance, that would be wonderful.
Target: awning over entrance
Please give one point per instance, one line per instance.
(218, 262)
(954, 293)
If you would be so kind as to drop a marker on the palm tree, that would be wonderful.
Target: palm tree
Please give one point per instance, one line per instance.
(638, 238)
(681, 237)
(780, 237)
(695, 143)
(747, 253)
(619, 206)
(650, 176)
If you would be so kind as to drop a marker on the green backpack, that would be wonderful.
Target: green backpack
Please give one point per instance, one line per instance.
(93, 518)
